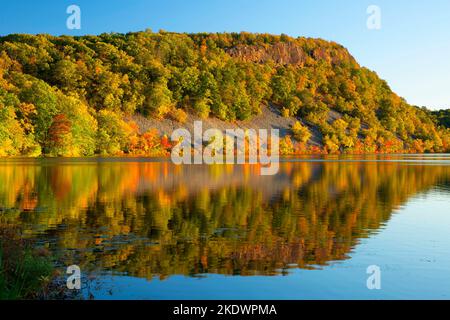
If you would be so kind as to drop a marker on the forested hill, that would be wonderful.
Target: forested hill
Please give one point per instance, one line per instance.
(75, 96)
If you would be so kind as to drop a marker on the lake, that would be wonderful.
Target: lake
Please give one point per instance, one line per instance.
(147, 229)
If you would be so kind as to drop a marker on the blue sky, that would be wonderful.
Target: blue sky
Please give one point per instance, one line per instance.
(411, 50)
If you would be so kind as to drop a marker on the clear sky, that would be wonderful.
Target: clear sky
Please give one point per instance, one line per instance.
(411, 50)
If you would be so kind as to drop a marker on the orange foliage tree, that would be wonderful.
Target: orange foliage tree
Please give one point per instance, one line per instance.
(59, 136)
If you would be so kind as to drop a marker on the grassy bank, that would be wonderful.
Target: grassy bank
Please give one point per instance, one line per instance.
(25, 273)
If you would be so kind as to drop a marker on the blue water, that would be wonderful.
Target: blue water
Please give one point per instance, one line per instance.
(412, 251)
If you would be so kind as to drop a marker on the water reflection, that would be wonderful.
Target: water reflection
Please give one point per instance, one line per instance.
(152, 218)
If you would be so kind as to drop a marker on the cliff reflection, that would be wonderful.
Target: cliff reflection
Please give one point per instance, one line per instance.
(148, 219)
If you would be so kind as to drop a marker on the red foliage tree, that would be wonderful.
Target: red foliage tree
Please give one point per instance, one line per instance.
(58, 131)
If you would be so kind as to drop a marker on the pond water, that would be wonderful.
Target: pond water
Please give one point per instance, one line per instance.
(147, 229)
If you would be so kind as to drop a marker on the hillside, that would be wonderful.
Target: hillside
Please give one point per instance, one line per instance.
(120, 93)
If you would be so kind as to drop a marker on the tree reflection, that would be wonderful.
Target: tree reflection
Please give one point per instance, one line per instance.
(153, 218)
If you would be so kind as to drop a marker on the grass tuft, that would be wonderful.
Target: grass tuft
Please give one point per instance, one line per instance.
(24, 272)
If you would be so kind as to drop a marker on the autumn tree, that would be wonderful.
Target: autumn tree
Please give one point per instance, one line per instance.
(59, 136)
(301, 133)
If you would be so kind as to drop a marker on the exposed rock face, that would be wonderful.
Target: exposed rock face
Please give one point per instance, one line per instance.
(290, 53)
(270, 118)
(280, 53)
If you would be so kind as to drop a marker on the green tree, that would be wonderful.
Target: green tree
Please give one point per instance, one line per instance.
(301, 133)
(113, 133)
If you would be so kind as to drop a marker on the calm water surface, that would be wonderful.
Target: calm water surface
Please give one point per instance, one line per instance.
(146, 229)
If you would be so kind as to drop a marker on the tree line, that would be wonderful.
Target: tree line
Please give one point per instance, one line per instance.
(73, 96)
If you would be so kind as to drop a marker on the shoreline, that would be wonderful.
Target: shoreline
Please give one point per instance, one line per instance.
(287, 156)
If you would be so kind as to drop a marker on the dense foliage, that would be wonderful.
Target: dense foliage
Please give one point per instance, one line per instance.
(70, 96)
(442, 117)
